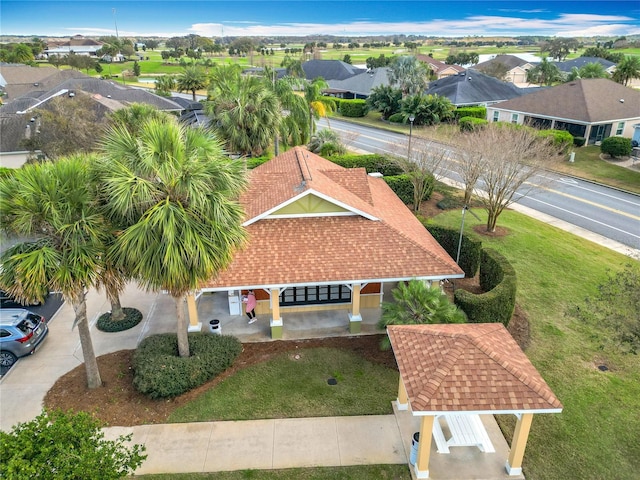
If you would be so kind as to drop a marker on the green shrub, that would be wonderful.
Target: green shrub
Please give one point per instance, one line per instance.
(353, 108)
(397, 118)
(383, 164)
(468, 124)
(403, 188)
(160, 373)
(561, 138)
(470, 250)
(254, 162)
(579, 141)
(475, 112)
(331, 148)
(132, 317)
(498, 280)
(616, 146)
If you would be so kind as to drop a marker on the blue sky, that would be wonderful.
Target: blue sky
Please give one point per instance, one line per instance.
(349, 18)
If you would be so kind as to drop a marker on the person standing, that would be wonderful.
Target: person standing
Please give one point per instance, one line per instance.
(250, 301)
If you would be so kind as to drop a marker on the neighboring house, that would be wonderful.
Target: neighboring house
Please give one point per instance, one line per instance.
(594, 108)
(76, 44)
(516, 67)
(193, 113)
(567, 66)
(329, 69)
(18, 80)
(18, 123)
(324, 237)
(358, 86)
(440, 69)
(474, 88)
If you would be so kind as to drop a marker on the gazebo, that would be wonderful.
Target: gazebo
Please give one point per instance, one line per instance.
(453, 373)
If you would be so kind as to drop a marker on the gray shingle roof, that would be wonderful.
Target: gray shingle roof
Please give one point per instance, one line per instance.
(587, 100)
(474, 88)
(362, 83)
(511, 61)
(329, 69)
(579, 62)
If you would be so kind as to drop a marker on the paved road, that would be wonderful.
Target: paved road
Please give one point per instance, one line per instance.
(602, 210)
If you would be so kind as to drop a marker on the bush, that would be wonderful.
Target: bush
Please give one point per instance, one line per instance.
(403, 188)
(474, 112)
(160, 373)
(616, 146)
(561, 138)
(468, 124)
(397, 118)
(470, 249)
(579, 141)
(498, 280)
(375, 162)
(254, 162)
(354, 108)
(332, 148)
(132, 317)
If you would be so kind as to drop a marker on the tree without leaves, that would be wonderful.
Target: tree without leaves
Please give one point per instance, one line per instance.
(66, 445)
(53, 203)
(178, 195)
(497, 70)
(510, 156)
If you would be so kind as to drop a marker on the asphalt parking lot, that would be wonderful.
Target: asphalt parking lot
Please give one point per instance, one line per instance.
(48, 309)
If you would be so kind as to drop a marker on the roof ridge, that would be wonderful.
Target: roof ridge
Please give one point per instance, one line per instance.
(448, 360)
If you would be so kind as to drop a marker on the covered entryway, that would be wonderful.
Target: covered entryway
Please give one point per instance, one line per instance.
(460, 375)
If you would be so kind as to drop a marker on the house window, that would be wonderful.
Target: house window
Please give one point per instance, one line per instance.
(620, 128)
(496, 116)
(514, 118)
(315, 295)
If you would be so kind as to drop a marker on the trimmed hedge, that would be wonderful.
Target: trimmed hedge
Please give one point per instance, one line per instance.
(579, 141)
(468, 124)
(561, 138)
(403, 188)
(616, 146)
(132, 317)
(353, 108)
(470, 249)
(474, 112)
(160, 373)
(498, 280)
(383, 164)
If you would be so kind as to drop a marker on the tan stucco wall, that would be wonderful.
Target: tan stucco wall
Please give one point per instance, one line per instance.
(366, 301)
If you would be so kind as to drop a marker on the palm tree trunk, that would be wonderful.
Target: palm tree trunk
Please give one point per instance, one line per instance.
(117, 313)
(90, 361)
(183, 338)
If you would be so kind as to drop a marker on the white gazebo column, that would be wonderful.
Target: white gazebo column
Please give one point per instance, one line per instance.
(194, 324)
(518, 444)
(403, 398)
(276, 319)
(355, 319)
(421, 467)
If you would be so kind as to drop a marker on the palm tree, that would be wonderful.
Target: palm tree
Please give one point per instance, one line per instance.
(590, 70)
(246, 114)
(318, 104)
(385, 99)
(545, 73)
(627, 69)
(409, 74)
(53, 204)
(414, 304)
(176, 192)
(165, 84)
(191, 79)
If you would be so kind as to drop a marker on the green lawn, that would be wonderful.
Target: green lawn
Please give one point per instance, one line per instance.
(360, 472)
(597, 436)
(256, 392)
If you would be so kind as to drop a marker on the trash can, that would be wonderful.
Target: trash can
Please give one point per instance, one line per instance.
(214, 327)
(413, 458)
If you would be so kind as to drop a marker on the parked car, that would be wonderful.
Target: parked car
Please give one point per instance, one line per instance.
(21, 332)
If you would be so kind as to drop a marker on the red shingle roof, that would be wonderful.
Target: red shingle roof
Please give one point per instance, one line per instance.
(377, 239)
(467, 367)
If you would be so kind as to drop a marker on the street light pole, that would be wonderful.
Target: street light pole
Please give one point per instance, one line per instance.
(411, 119)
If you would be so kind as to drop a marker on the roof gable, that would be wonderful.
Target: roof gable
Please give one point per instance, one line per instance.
(473, 87)
(329, 69)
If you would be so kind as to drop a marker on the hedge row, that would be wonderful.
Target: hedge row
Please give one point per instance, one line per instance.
(160, 373)
(372, 163)
(475, 112)
(403, 188)
(498, 280)
(561, 138)
(353, 108)
(470, 250)
(468, 124)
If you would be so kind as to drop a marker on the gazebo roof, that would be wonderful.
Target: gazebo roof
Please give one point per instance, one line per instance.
(475, 368)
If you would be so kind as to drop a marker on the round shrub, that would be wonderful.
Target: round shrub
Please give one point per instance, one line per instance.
(616, 146)
(396, 118)
(132, 317)
(403, 188)
(579, 141)
(160, 373)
